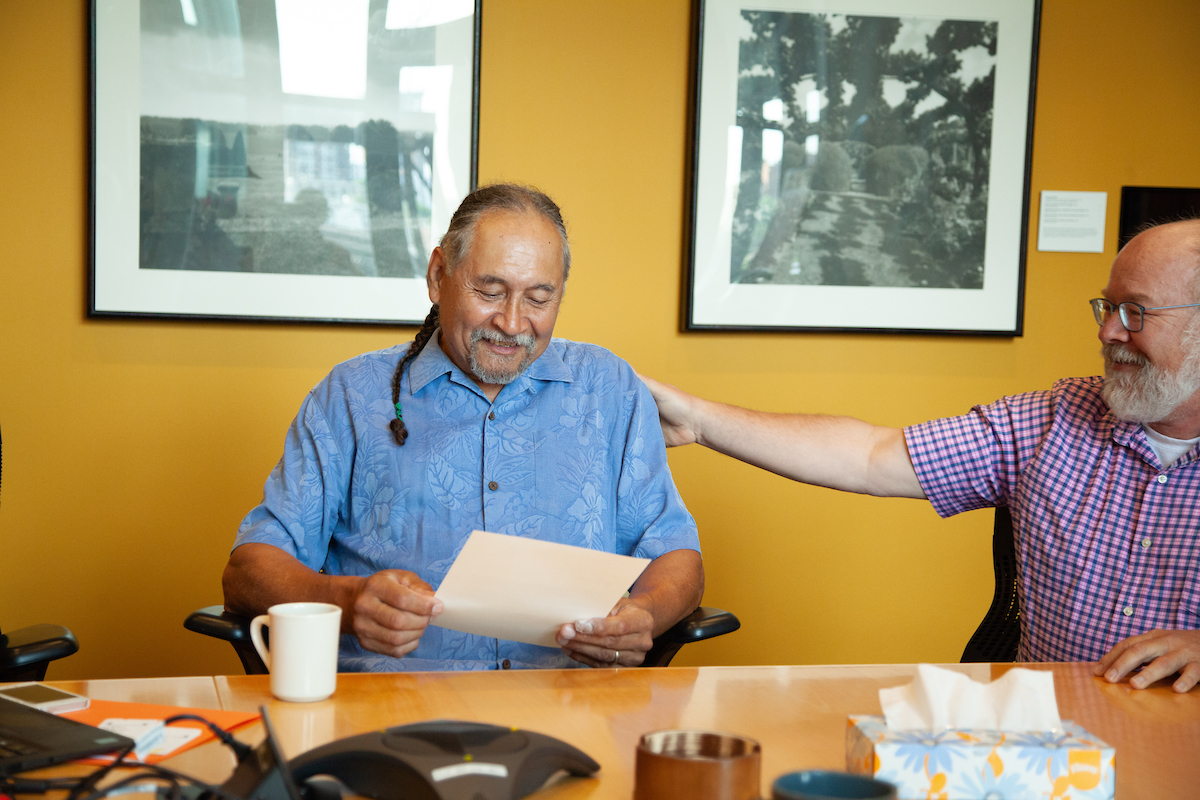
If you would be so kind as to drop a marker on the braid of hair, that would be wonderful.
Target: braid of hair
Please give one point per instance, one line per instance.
(399, 431)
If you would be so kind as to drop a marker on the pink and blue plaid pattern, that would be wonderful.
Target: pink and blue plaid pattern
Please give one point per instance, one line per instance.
(1107, 540)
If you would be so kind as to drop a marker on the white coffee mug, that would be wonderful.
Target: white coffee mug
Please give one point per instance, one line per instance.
(304, 648)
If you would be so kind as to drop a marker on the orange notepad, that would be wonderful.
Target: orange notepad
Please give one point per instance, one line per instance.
(100, 710)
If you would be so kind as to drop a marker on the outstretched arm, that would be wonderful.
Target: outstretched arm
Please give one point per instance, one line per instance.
(387, 611)
(836, 452)
(1162, 652)
(669, 589)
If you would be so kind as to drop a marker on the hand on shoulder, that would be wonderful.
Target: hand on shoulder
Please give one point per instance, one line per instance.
(676, 412)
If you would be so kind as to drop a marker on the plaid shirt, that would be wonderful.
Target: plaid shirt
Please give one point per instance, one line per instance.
(1107, 538)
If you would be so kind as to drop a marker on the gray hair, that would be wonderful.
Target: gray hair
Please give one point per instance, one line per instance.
(456, 243)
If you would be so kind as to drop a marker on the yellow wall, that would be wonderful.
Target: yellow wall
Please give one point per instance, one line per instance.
(133, 448)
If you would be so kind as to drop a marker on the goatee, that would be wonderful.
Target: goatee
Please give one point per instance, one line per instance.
(499, 377)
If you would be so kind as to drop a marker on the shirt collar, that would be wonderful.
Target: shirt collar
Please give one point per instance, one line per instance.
(432, 363)
(1133, 436)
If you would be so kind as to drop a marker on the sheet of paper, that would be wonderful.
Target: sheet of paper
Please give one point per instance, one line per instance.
(171, 739)
(147, 734)
(509, 587)
(1072, 222)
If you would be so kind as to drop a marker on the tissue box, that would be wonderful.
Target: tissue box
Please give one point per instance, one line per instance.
(971, 765)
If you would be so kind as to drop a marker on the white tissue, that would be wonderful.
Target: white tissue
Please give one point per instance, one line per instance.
(939, 699)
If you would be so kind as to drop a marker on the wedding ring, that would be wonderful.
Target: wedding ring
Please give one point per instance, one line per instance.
(616, 656)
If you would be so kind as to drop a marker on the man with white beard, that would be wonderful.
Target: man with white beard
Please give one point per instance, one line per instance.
(1101, 475)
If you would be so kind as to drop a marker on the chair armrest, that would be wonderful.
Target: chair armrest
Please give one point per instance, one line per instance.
(26, 651)
(234, 628)
(703, 623)
(216, 621)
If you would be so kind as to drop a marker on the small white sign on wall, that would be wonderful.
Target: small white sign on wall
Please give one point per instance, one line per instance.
(1072, 222)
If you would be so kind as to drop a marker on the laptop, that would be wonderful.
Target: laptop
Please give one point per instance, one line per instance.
(30, 739)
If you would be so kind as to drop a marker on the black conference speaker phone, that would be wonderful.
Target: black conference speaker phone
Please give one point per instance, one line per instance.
(439, 760)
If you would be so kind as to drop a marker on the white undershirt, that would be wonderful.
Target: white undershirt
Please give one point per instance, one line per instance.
(1168, 450)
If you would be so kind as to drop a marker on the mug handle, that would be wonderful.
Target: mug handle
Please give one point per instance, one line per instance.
(256, 626)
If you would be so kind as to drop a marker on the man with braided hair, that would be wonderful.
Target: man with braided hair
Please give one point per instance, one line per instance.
(1101, 475)
(483, 422)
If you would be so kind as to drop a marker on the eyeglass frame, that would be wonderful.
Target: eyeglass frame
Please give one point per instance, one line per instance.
(1123, 314)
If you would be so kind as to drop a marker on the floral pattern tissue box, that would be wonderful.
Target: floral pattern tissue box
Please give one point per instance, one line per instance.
(973, 765)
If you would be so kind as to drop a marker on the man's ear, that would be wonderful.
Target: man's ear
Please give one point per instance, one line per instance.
(434, 274)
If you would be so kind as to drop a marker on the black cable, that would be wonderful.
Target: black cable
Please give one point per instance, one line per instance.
(126, 781)
(155, 772)
(95, 776)
(15, 786)
(240, 749)
(208, 787)
(85, 788)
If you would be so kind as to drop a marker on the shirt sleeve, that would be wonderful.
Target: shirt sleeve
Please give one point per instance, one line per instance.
(974, 461)
(304, 494)
(651, 517)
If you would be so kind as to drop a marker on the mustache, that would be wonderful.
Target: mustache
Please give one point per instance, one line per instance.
(525, 340)
(1118, 353)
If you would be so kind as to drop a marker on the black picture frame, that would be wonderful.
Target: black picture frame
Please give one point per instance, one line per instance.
(1152, 205)
(845, 219)
(249, 163)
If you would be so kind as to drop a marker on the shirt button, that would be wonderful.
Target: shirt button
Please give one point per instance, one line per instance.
(492, 415)
(493, 485)
(1162, 478)
(506, 664)
(1128, 611)
(1145, 542)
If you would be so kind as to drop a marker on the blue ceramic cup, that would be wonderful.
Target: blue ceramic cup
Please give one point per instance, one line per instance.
(821, 784)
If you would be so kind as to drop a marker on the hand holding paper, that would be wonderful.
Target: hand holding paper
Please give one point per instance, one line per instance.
(524, 590)
(620, 639)
(391, 611)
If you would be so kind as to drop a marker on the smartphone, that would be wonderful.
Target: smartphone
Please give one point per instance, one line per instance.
(44, 698)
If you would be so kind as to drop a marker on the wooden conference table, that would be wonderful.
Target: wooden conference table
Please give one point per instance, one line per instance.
(798, 714)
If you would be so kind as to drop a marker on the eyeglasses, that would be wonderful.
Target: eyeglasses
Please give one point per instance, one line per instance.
(1132, 315)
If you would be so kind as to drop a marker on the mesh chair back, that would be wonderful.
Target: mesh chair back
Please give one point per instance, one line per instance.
(999, 635)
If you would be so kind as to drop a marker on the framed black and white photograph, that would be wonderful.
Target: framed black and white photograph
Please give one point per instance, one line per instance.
(277, 159)
(861, 165)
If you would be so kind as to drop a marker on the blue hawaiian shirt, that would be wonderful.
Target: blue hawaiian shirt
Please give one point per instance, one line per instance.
(571, 451)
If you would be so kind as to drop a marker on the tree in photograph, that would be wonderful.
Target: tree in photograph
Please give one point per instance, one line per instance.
(924, 160)
(972, 103)
(948, 213)
(778, 54)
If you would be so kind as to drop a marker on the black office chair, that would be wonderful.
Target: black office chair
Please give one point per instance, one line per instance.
(999, 635)
(703, 623)
(26, 652)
